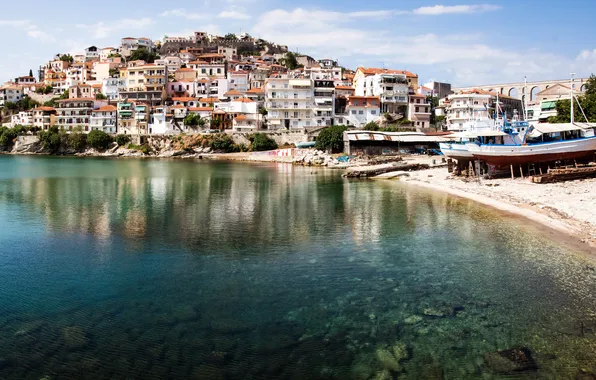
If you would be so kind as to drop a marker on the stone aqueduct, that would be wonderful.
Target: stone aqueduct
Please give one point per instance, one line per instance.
(516, 90)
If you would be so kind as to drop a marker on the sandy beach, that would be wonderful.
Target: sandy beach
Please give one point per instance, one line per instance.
(566, 207)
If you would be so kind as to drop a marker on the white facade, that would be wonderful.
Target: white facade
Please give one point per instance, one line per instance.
(10, 94)
(238, 81)
(171, 62)
(103, 119)
(391, 88)
(22, 118)
(91, 53)
(112, 86)
(290, 103)
(465, 112)
(324, 111)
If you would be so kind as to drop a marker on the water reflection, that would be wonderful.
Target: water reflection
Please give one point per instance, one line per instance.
(173, 269)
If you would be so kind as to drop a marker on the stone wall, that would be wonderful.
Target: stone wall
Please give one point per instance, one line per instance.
(280, 137)
(41, 98)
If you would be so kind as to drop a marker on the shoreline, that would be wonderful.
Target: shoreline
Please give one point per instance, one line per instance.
(549, 216)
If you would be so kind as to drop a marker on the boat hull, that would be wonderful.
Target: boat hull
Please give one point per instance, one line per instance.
(579, 149)
(456, 151)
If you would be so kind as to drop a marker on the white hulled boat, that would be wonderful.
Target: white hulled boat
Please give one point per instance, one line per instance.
(540, 143)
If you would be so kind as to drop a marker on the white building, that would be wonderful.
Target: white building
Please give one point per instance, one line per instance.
(103, 119)
(10, 93)
(361, 110)
(22, 118)
(468, 111)
(112, 86)
(91, 53)
(290, 103)
(391, 88)
(238, 80)
(173, 63)
(105, 53)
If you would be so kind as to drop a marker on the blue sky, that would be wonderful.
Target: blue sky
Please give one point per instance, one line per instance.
(460, 42)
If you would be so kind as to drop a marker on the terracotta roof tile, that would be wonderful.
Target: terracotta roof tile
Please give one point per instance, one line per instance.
(244, 100)
(106, 109)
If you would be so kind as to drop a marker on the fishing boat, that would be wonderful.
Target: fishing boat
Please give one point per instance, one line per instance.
(524, 144)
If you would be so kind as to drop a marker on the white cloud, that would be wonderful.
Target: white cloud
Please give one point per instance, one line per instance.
(29, 28)
(181, 12)
(234, 15)
(102, 29)
(459, 57)
(450, 9)
(15, 23)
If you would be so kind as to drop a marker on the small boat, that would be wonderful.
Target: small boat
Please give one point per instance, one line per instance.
(306, 144)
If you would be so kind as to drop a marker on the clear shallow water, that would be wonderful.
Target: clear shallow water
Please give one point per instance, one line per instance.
(126, 269)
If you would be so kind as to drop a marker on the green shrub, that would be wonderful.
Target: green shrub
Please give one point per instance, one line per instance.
(222, 142)
(7, 138)
(261, 142)
(145, 149)
(331, 139)
(122, 140)
(51, 140)
(372, 126)
(99, 140)
(77, 141)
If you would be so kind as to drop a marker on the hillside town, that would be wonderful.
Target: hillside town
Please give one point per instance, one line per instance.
(202, 82)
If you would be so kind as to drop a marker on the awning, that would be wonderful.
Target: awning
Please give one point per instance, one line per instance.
(554, 128)
(125, 113)
(300, 82)
(548, 105)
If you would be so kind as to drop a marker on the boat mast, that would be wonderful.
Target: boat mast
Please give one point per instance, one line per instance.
(572, 75)
(525, 98)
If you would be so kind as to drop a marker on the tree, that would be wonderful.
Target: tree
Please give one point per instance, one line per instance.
(30, 72)
(51, 140)
(65, 95)
(587, 101)
(144, 55)
(100, 96)
(114, 73)
(51, 103)
(290, 61)
(77, 141)
(122, 140)
(7, 138)
(99, 140)
(261, 142)
(67, 58)
(434, 103)
(215, 123)
(192, 120)
(230, 36)
(372, 126)
(331, 138)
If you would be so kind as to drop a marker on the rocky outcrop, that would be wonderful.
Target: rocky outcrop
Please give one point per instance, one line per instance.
(517, 359)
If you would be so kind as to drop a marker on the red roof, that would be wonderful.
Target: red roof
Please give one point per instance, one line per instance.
(232, 92)
(244, 100)
(43, 108)
(105, 109)
(197, 109)
(256, 90)
(374, 70)
(184, 99)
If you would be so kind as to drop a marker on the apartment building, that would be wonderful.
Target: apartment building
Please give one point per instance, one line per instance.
(10, 93)
(391, 86)
(290, 102)
(104, 119)
(22, 118)
(238, 81)
(419, 111)
(111, 87)
(145, 83)
(324, 95)
(44, 117)
(361, 110)
(81, 91)
(73, 113)
(172, 63)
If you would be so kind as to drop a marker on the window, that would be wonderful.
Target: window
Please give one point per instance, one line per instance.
(418, 101)
(417, 109)
(373, 112)
(296, 114)
(426, 109)
(219, 71)
(203, 71)
(360, 112)
(353, 112)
